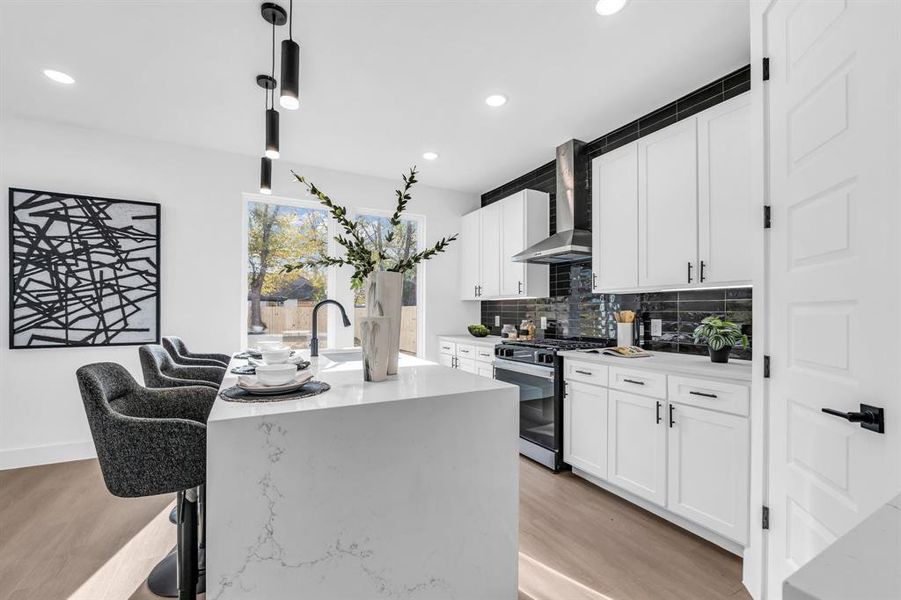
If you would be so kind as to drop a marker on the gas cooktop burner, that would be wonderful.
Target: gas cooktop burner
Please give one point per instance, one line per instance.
(558, 345)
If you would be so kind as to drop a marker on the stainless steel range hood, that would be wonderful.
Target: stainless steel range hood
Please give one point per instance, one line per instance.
(572, 242)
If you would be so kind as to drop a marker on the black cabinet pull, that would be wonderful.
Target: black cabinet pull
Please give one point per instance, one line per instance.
(520, 287)
(689, 271)
(634, 381)
(658, 412)
(583, 372)
(702, 394)
(869, 417)
(702, 271)
(671, 409)
(594, 281)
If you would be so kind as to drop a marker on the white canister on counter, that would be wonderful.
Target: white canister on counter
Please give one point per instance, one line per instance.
(624, 333)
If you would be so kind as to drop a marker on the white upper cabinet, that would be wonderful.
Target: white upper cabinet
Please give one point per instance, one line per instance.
(725, 210)
(491, 250)
(492, 235)
(614, 213)
(470, 256)
(668, 206)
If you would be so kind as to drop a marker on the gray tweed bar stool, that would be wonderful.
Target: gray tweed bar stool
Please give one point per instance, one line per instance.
(149, 442)
(176, 348)
(160, 371)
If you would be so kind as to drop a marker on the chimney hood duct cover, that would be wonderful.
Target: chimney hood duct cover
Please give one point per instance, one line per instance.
(572, 242)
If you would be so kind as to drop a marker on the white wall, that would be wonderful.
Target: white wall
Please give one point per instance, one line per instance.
(41, 413)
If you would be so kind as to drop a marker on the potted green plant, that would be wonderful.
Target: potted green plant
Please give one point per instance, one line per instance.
(373, 270)
(721, 336)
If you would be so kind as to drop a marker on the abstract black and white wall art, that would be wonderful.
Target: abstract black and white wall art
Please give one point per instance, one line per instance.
(84, 271)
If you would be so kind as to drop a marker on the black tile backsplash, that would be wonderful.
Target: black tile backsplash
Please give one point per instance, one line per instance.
(572, 310)
(577, 313)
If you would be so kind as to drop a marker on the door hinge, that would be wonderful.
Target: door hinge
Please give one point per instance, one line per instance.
(766, 68)
(767, 220)
(765, 518)
(766, 367)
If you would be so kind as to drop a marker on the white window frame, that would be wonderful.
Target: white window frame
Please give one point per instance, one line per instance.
(338, 335)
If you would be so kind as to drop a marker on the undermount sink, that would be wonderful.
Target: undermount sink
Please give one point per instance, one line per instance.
(341, 355)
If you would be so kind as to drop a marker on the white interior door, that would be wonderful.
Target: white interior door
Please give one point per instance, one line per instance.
(833, 269)
(513, 240)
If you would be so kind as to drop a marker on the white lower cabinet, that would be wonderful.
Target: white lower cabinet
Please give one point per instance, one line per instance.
(467, 356)
(636, 442)
(584, 424)
(681, 444)
(708, 469)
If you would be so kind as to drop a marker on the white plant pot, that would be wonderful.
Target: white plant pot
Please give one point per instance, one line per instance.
(384, 293)
(374, 332)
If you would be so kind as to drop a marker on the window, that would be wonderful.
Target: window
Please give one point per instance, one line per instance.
(280, 305)
(403, 244)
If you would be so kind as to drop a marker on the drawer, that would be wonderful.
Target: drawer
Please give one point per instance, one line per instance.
(586, 372)
(485, 354)
(447, 347)
(638, 381)
(709, 393)
(466, 351)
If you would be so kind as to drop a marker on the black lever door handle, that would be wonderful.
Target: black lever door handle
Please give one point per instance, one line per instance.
(869, 417)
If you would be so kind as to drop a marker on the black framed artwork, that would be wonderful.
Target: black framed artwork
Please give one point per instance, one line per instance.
(83, 270)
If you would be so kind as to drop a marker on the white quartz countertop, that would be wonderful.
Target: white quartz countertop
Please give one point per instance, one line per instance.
(416, 378)
(490, 340)
(670, 362)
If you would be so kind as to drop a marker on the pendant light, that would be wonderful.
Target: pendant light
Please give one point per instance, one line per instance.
(290, 94)
(265, 175)
(276, 16)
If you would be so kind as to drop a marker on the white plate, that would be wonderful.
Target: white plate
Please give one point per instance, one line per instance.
(249, 384)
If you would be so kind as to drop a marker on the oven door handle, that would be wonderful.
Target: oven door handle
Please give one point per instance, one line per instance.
(507, 365)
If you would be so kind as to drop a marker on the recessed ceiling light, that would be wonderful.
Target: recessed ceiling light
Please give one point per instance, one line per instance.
(495, 100)
(609, 7)
(430, 155)
(59, 76)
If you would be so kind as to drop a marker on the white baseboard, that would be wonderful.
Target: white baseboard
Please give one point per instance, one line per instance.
(16, 458)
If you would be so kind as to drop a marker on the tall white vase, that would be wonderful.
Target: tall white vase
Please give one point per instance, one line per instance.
(374, 332)
(384, 292)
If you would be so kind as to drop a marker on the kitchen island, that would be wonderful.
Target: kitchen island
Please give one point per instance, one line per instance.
(406, 488)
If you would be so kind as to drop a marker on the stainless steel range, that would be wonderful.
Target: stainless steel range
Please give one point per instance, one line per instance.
(537, 369)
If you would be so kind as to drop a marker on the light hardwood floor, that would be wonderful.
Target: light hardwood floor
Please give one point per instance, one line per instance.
(63, 536)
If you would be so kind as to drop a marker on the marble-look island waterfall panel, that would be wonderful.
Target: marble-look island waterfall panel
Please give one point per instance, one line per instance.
(406, 488)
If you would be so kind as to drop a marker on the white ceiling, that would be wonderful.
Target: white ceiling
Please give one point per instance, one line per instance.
(381, 81)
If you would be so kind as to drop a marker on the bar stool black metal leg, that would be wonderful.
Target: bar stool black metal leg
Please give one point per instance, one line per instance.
(187, 545)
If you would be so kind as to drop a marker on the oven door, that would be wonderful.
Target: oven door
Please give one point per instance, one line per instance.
(537, 402)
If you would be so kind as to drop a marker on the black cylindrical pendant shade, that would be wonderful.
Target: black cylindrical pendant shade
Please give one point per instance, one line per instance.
(266, 176)
(290, 94)
(271, 133)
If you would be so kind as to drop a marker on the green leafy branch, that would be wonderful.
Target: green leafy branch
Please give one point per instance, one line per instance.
(364, 259)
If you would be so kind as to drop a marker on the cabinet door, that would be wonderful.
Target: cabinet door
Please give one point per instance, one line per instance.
(513, 240)
(726, 214)
(485, 370)
(614, 210)
(446, 359)
(491, 251)
(585, 428)
(709, 470)
(470, 244)
(668, 206)
(637, 438)
(467, 364)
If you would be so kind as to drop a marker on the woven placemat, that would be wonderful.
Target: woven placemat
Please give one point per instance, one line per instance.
(311, 388)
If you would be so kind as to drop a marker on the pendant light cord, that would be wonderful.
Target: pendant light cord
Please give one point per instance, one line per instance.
(291, 20)
(272, 69)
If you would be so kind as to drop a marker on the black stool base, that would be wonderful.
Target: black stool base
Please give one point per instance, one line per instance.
(163, 579)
